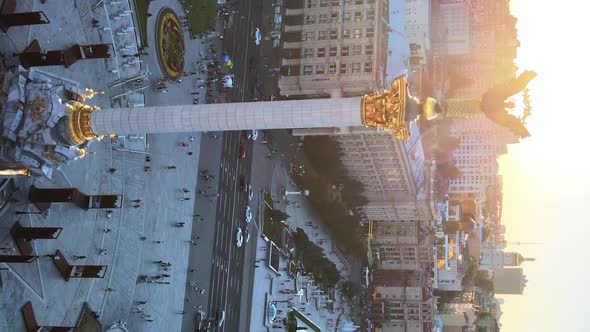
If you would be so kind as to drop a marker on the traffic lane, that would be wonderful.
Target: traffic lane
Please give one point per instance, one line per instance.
(230, 293)
(230, 267)
(235, 290)
(223, 233)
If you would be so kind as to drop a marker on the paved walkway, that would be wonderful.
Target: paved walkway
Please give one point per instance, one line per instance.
(86, 232)
(267, 285)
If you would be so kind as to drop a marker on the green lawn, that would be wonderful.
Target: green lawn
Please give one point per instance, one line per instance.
(201, 17)
(202, 14)
(272, 230)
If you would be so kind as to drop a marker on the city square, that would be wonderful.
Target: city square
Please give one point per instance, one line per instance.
(164, 174)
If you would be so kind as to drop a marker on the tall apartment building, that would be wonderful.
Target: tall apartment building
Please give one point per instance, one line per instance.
(403, 301)
(509, 281)
(401, 244)
(482, 141)
(392, 172)
(493, 45)
(456, 18)
(333, 47)
(494, 259)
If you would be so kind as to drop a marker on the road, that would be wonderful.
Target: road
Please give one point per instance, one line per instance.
(228, 260)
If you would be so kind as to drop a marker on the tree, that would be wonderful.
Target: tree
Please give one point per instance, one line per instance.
(350, 290)
(448, 170)
(278, 215)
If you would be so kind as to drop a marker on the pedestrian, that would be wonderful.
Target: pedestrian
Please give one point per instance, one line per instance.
(185, 198)
(112, 170)
(109, 214)
(143, 238)
(148, 159)
(136, 200)
(107, 230)
(179, 224)
(171, 167)
(147, 169)
(109, 289)
(190, 153)
(136, 206)
(158, 242)
(184, 190)
(79, 257)
(142, 302)
(193, 270)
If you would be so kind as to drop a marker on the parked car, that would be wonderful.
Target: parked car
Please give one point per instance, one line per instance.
(239, 237)
(246, 235)
(248, 214)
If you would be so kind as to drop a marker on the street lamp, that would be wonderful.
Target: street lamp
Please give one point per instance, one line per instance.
(285, 192)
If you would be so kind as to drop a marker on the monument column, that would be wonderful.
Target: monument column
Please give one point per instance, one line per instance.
(232, 116)
(381, 110)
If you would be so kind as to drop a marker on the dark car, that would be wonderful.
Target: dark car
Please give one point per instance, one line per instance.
(242, 151)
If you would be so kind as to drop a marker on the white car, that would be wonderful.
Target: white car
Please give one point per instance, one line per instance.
(253, 135)
(250, 193)
(239, 237)
(257, 37)
(248, 214)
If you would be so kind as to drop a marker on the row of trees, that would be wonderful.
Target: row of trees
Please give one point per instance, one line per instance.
(334, 193)
(315, 261)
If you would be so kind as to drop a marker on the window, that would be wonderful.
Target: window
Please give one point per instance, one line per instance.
(320, 69)
(369, 33)
(358, 2)
(345, 51)
(308, 53)
(370, 15)
(321, 52)
(345, 33)
(333, 34)
(346, 17)
(358, 16)
(357, 33)
(334, 17)
(368, 67)
(311, 3)
(307, 70)
(310, 19)
(356, 67)
(323, 18)
(356, 50)
(347, 2)
(369, 50)
(308, 35)
(342, 68)
(332, 69)
(322, 35)
(333, 51)
(335, 3)
(323, 3)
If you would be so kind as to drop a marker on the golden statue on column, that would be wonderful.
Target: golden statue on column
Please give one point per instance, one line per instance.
(393, 109)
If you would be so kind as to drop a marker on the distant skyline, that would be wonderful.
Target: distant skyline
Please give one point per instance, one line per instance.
(546, 177)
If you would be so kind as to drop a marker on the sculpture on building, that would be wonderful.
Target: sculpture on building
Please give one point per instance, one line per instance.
(393, 108)
(495, 104)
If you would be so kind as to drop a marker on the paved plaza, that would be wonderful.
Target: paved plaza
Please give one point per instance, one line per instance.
(207, 271)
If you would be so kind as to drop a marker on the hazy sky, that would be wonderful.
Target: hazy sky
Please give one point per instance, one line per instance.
(547, 176)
